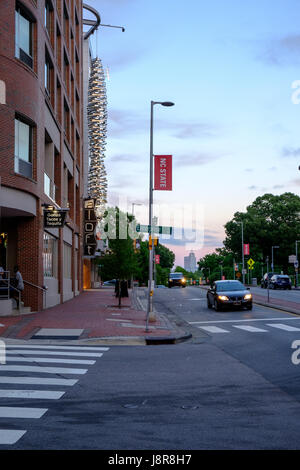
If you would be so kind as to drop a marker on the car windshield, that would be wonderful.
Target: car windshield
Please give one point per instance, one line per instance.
(227, 286)
(282, 277)
(176, 276)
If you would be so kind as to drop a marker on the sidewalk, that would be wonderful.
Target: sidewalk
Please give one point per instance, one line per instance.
(94, 317)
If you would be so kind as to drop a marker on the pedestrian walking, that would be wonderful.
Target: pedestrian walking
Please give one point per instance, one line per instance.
(17, 285)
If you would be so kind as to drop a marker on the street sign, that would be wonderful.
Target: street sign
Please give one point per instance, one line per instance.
(157, 259)
(296, 264)
(292, 259)
(155, 229)
(250, 263)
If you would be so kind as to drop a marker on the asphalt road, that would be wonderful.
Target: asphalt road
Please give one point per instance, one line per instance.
(233, 386)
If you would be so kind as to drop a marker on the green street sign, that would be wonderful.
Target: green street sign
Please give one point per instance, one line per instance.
(155, 229)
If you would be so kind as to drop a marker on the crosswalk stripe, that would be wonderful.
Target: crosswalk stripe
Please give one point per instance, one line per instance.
(43, 370)
(44, 394)
(251, 329)
(10, 436)
(44, 346)
(49, 360)
(21, 412)
(213, 329)
(36, 381)
(281, 326)
(53, 353)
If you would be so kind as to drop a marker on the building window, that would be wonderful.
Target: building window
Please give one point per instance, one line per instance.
(48, 76)
(67, 261)
(23, 37)
(50, 256)
(23, 148)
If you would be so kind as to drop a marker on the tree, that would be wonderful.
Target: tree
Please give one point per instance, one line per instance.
(121, 262)
(269, 221)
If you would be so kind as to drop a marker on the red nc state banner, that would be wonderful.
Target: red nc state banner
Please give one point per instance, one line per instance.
(246, 249)
(163, 172)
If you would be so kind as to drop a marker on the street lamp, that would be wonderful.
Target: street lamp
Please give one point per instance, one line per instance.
(272, 267)
(297, 267)
(243, 270)
(150, 290)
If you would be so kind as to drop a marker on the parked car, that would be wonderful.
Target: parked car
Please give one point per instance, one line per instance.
(280, 281)
(176, 279)
(229, 294)
(110, 283)
(266, 278)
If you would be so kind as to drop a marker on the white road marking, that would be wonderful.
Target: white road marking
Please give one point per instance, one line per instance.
(54, 353)
(49, 360)
(36, 381)
(252, 329)
(59, 332)
(281, 326)
(42, 370)
(243, 320)
(44, 394)
(69, 347)
(213, 329)
(9, 436)
(21, 412)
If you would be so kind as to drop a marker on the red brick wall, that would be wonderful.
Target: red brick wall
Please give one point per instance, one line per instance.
(25, 95)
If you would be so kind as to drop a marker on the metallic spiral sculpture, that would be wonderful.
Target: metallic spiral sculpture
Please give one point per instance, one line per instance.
(97, 126)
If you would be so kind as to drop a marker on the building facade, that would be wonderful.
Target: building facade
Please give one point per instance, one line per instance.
(190, 263)
(41, 145)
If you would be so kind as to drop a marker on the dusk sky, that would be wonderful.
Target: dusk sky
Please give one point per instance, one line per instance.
(229, 67)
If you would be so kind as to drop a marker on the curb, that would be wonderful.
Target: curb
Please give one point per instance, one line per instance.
(277, 307)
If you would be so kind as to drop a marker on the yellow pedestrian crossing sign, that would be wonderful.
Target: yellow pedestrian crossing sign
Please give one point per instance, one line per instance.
(250, 263)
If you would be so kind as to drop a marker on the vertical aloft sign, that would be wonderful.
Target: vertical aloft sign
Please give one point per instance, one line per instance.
(163, 172)
(90, 222)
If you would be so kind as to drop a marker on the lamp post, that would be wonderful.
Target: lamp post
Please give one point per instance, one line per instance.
(150, 290)
(296, 269)
(243, 256)
(272, 267)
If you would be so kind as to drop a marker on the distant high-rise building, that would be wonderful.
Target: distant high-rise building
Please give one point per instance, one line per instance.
(190, 263)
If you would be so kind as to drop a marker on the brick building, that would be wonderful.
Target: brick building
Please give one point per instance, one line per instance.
(41, 145)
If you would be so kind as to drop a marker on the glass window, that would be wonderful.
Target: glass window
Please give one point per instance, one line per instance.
(50, 256)
(23, 148)
(23, 38)
(67, 261)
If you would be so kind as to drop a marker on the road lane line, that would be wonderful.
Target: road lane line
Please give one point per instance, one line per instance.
(10, 436)
(251, 329)
(37, 381)
(69, 347)
(213, 329)
(281, 326)
(53, 353)
(42, 370)
(21, 412)
(49, 360)
(44, 394)
(243, 320)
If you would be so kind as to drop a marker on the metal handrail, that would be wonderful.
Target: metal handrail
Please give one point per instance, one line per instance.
(6, 281)
(44, 289)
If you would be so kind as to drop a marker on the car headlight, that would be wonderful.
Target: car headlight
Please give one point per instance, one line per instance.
(183, 280)
(223, 297)
(248, 296)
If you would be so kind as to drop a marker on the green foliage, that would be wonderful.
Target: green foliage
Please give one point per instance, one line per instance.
(269, 221)
(121, 262)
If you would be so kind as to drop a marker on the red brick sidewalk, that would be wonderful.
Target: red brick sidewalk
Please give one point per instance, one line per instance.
(97, 313)
(284, 304)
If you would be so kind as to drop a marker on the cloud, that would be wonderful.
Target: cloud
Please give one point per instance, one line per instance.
(281, 52)
(252, 187)
(290, 152)
(124, 122)
(195, 160)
